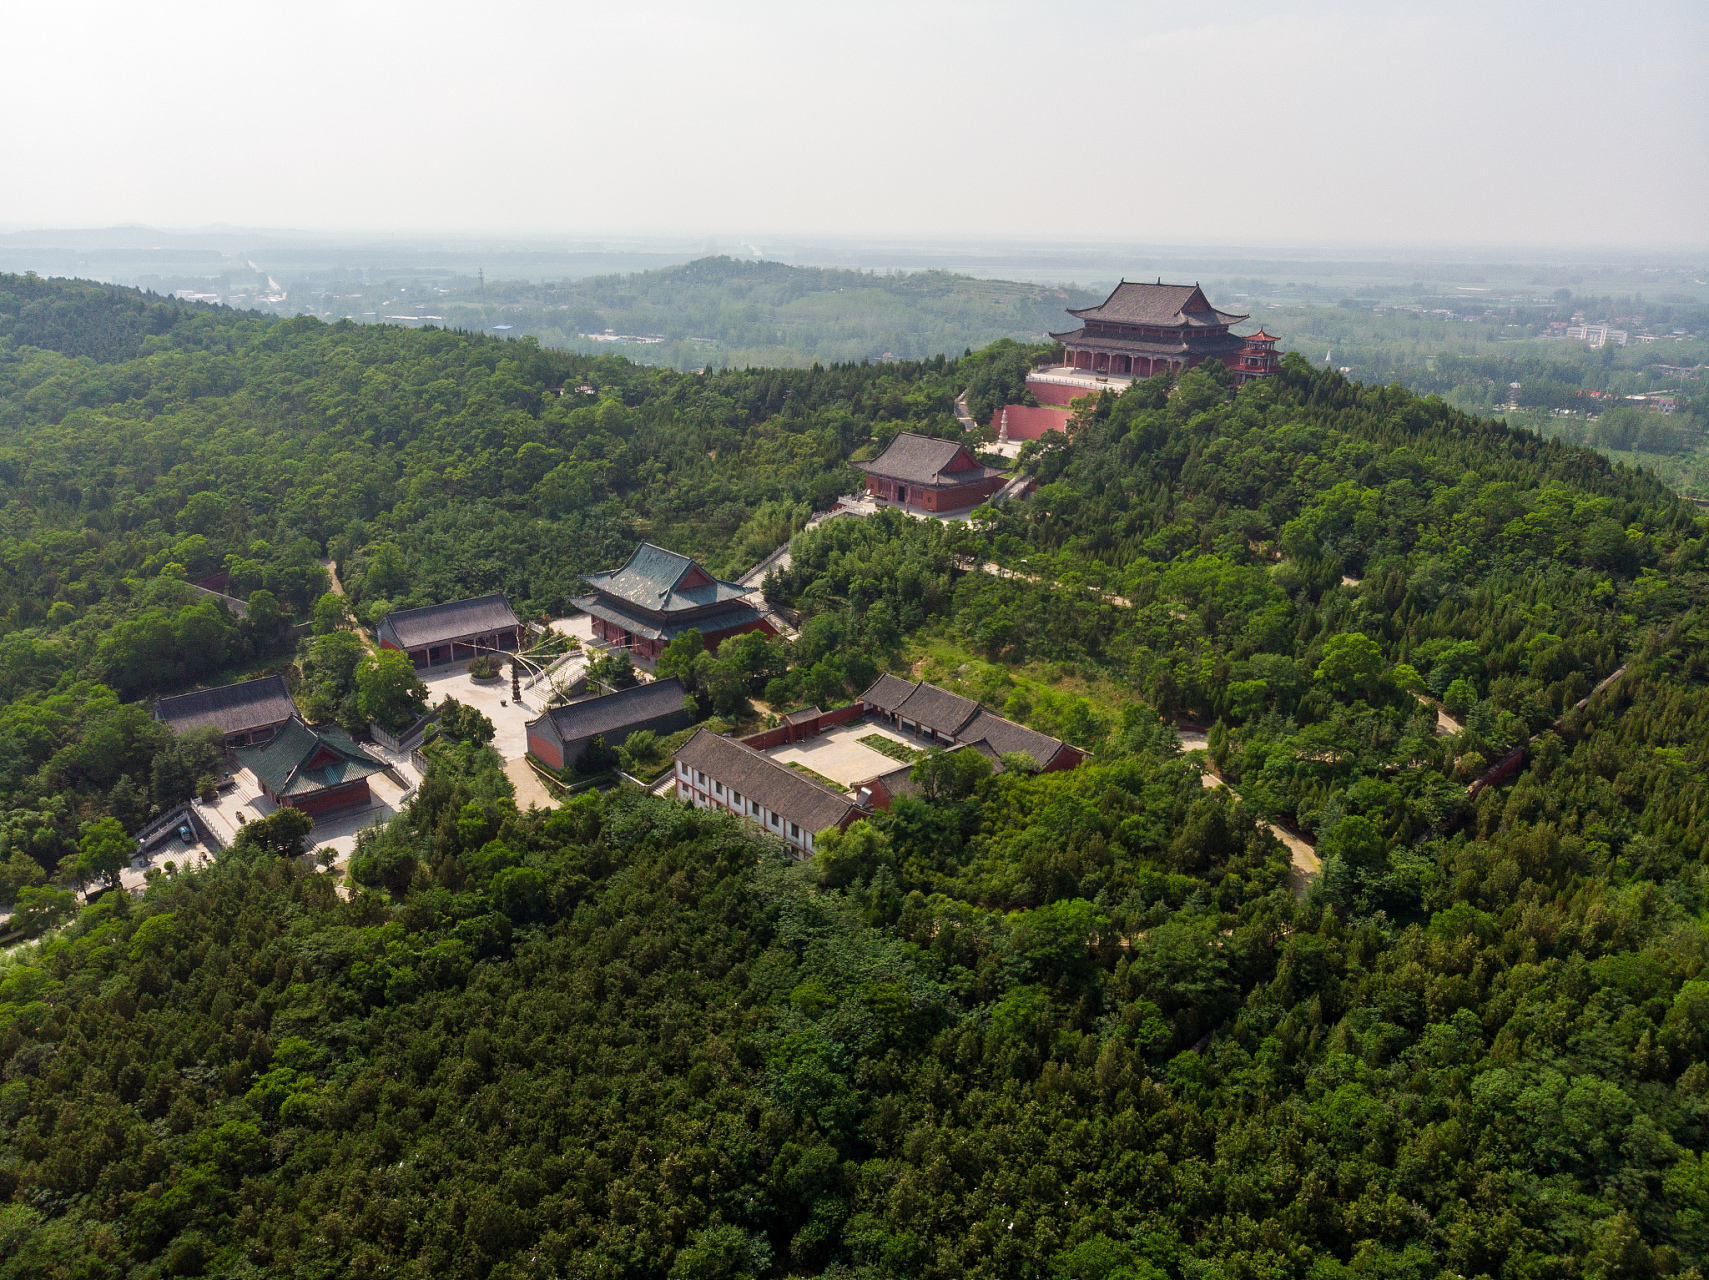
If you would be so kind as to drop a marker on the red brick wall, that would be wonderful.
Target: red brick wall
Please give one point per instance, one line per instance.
(961, 499)
(1066, 758)
(766, 739)
(718, 638)
(339, 798)
(769, 738)
(1055, 392)
(544, 749)
(1027, 423)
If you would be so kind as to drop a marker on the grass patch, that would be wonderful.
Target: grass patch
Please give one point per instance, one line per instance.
(898, 751)
(818, 777)
(1039, 694)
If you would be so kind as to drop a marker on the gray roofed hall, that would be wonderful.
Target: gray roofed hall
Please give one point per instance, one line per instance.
(889, 692)
(793, 796)
(663, 581)
(924, 704)
(1004, 736)
(922, 460)
(436, 624)
(232, 708)
(287, 766)
(938, 709)
(962, 718)
(1161, 305)
(615, 711)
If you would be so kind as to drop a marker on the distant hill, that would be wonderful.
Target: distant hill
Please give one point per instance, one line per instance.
(720, 311)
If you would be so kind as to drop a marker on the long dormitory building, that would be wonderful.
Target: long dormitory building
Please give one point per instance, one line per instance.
(719, 773)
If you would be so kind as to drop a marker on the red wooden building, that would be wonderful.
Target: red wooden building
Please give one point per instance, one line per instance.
(930, 476)
(315, 770)
(1143, 329)
(452, 632)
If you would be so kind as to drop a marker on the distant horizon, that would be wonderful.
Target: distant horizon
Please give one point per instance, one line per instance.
(695, 243)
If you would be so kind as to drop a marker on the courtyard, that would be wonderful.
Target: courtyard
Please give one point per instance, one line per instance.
(839, 754)
(245, 803)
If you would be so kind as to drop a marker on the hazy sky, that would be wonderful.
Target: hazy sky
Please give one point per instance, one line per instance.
(1440, 123)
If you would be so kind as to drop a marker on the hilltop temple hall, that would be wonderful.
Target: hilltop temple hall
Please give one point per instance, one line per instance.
(1142, 329)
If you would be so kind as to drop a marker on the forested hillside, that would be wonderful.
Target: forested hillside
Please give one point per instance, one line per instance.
(1086, 1025)
(720, 312)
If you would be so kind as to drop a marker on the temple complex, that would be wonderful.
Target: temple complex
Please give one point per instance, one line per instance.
(1144, 329)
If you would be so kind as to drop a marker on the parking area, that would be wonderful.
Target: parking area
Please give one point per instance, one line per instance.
(839, 754)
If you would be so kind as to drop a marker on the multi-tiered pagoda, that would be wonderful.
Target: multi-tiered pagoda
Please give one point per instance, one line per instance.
(1142, 329)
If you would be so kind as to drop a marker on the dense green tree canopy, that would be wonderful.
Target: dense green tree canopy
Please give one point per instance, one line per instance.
(1096, 1022)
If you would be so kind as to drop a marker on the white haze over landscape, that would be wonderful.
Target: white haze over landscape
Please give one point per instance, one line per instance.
(1539, 125)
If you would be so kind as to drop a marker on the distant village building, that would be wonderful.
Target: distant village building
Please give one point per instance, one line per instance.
(944, 719)
(1598, 335)
(452, 632)
(930, 476)
(657, 595)
(562, 736)
(1143, 329)
(719, 773)
(249, 712)
(315, 770)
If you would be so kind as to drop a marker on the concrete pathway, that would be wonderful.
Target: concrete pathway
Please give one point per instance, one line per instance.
(331, 568)
(1305, 865)
(998, 571)
(1446, 725)
(530, 791)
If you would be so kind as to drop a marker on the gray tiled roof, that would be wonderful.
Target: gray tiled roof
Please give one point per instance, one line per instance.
(1132, 302)
(652, 579)
(889, 692)
(232, 708)
(959, 717)
(454, 620)
(1004, 736)
(921, 460)
(938, 709)
(615, 711)
(794, 796)
(803, 716)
